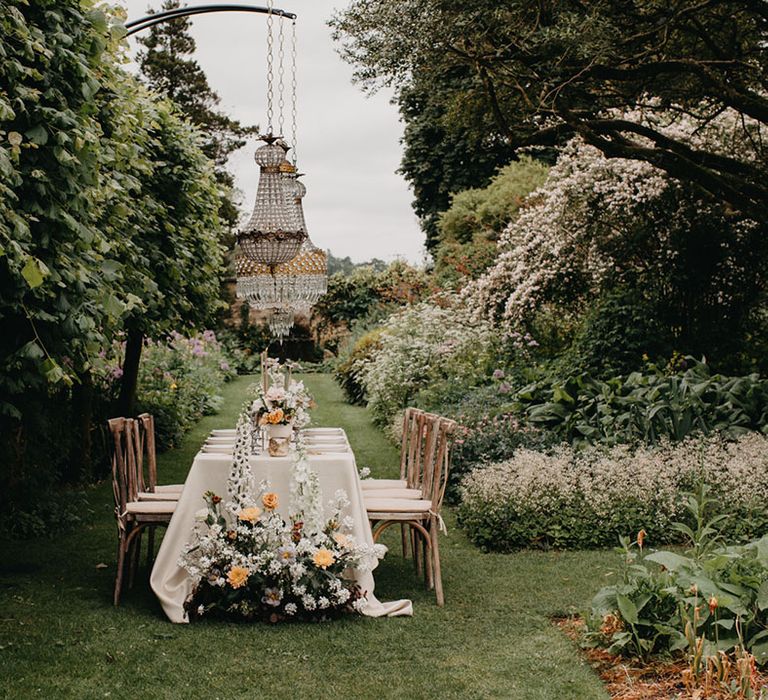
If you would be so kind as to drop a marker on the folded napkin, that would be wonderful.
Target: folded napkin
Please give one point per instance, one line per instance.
(327, 449)
(227, 440)
(323, 431)
(218, 449)
(313, 440)
(224, 432)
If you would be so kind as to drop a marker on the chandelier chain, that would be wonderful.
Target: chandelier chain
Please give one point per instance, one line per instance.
(294, 126)
(270, 55)
(280, 80)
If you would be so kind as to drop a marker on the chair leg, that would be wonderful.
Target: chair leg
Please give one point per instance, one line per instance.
(150, 547)
(435, 536)
(134, 559)
(429, 571)
(418, 554)
(404, 539)
(121, 549)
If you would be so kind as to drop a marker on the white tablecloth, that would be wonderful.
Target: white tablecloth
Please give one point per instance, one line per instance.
(209, 472)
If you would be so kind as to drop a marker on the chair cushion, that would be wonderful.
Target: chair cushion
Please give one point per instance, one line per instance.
(150, 507)
(384, 484)
(397, 505)
(161, 496)
(410, 494)
(169, 488)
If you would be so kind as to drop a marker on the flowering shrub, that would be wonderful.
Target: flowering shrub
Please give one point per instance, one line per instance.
(179, 381)
(425, 347)
(599, 224)
(347, 370)
(486, 439)
(588, 498)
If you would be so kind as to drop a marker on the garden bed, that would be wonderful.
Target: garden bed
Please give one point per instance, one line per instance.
(631, 679)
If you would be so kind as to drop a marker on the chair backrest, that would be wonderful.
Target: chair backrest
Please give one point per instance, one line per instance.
(147, 447)
(125, 473)
(438, 460)
(411, 442)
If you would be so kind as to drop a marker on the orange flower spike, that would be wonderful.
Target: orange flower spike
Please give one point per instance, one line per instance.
(641, 538)
(712, 605)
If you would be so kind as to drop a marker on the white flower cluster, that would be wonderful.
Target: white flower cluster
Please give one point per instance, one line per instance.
(609, 484)
(422, 344)
(575, 233)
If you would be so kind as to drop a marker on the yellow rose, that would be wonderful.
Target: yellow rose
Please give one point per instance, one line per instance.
(269, 500)
(323, 558)
(237, 576)
(249, 515)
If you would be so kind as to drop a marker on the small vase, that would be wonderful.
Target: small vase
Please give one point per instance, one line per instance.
(279, 439)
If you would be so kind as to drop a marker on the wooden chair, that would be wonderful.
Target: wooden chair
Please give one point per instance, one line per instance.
(422, 515)
(410, 451)
(132, 515)
(149, 490)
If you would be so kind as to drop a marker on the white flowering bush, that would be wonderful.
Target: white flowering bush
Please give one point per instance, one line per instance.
(599, 225)
(427, 348)
(576, 499)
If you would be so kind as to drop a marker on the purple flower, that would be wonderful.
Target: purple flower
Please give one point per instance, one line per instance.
(498, 374)
(224, 366)
(504, 388)
(117, 372)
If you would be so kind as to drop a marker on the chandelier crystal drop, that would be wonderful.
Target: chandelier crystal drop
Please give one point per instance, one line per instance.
(273, 234)
(280, 322)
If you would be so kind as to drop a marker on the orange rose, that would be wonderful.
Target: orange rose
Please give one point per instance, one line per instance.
(276, 416)
(269, 500)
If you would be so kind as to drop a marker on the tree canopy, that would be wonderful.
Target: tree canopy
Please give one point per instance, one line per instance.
(549, 70)
(168, 66)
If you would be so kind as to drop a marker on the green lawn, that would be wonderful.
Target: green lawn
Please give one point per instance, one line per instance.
(60, 636)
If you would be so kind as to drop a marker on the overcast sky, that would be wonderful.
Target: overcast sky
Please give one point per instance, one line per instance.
(348, 144)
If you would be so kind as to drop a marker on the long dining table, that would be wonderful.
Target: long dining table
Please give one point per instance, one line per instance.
(329, 455)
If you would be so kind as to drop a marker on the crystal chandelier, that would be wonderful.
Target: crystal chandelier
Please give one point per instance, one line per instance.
(298, 283)
(293, 285)
(273, 234)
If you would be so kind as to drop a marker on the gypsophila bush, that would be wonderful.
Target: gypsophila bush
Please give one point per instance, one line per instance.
(588, 498)
(422, 346)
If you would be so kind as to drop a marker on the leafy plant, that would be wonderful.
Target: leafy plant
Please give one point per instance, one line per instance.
(712, 598)
(647, 406)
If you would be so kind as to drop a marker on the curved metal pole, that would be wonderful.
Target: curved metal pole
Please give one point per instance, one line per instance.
(138, 25)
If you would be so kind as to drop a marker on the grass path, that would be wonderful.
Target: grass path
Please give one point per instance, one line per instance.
(60, 637)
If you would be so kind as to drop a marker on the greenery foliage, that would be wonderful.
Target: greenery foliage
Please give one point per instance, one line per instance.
(485, 212)
(545, 73)
(571, 498)
(168, 67)
(712, 598)
(647, 406)
(180, 381)
(108, 224)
